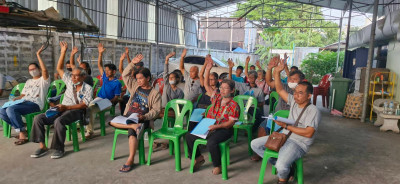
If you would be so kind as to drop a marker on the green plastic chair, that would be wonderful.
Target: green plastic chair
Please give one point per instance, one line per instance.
(273, 154)
(176, 132)
(7, 127)
(240, 99)
(29, 117)
(71, 131)
(141, 144)
(102, 118)
(272, 107)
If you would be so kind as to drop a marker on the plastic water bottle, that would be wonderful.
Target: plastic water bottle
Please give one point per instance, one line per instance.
(385, 108)
(391, 106)
(11, 97)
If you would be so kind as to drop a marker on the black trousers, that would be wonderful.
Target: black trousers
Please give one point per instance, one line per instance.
(216, 137)
(59, 121)
(258, 120)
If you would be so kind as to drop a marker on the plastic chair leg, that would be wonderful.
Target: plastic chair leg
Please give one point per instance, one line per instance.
(29, 121)
(235, 134)
(102, 124)
(224, 159)
(263, 168)
(249, 139)
(193, 157)
(185, 147)
(46, 140)
(74, 133)
(141, 152)
(150, 149)
(68, 133)
(177, 150)
(299, 171)
(171, 147)
(114, 145)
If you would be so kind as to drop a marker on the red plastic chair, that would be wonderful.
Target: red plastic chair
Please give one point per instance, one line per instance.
(323, 90)
(160, 83)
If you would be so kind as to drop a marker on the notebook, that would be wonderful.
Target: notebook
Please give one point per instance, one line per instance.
(201, 130)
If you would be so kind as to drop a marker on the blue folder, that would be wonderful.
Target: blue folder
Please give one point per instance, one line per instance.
(201, 129)
(197, 115)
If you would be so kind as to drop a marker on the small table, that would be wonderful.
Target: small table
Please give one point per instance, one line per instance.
(390, 122)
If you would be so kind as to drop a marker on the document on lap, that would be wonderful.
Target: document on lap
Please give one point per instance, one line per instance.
(197, 115)
(133, 118)
(201, 130)
(102, 103)
(11, 103)
(285, 120)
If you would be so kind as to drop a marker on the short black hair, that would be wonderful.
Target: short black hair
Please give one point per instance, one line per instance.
(145, 72)
(252, 66)
(111, 66)
(88, 69)
(294, 67)
(309, 86)
(67, 62)
(298, 72)
(215, 75)
(239, 68)
(37, 66)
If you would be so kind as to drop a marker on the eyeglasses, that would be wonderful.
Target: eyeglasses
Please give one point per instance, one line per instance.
(226, 89)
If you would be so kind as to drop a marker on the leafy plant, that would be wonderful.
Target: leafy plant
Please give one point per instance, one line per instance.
(316, 65)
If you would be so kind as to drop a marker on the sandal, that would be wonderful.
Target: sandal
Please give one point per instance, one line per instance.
(126, 168)
(21, 141)
(198, 164)
(161, 146)
(216, 170)
(255, 158)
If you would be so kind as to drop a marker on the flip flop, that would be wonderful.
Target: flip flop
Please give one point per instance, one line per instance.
(197, 165)
(128, 167)
(255, 158)
(21, 141)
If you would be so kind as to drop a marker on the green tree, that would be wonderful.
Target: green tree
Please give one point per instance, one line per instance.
(316, 65)
(278, 13)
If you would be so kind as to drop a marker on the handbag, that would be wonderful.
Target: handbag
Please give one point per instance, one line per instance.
(276, 140)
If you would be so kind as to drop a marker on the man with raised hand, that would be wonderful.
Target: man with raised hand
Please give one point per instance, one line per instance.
(192, 81)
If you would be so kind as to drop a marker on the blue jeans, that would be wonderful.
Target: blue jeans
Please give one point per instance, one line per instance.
(13, 114)
(288, 154)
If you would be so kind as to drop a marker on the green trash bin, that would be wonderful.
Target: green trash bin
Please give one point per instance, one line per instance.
(341, 86)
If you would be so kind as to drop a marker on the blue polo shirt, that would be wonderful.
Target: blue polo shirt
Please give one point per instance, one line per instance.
(237, 79)
(110, 88)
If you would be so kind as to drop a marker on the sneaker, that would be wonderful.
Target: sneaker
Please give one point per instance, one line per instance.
(57, 154)
(39, 152)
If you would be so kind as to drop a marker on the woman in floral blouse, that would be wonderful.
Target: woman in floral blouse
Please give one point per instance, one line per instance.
(225, 111)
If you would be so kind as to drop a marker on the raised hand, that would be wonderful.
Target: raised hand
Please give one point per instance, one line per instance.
(230, 63)
(273, 62)
(74, 50)
(137, 58)
(126, 50)
(280, 67)
(171, 54)
(123, 55)
(184, 53)
(64, 46)
(208, 62)
(79, 59)
(285, 57)
(101, 48)
(40, 50)
(248, 59)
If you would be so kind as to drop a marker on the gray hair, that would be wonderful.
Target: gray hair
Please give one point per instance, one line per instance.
(81, 71)
(254, 73)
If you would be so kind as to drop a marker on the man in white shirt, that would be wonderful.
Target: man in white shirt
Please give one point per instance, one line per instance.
(76, 99)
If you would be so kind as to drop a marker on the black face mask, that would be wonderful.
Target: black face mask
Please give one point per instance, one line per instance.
(69, 69)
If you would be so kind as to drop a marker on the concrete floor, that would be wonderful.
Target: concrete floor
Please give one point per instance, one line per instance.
(344, 151)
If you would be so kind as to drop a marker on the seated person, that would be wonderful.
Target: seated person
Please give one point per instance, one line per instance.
(237, 77)
(253, 68)
(144, 100)
(205, 100)
(171, 80)
(110, 90)
(34, 94)
(294, 78)
(76, 98)
(251, 89)
(298, 144)
(192, 81)
(125, 97)
(260, 81)
(225, 111)
(88, 79)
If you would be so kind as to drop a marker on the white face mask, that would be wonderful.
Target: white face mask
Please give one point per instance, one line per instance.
(77, 84)
(172, 82)
(34, 73)
(292, 85)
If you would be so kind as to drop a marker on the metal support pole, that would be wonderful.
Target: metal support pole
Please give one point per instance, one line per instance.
(157, 37)
(369, 61)
(73, 40)
(71, 9)
(207, 32)
(230, 44)
(348, 26)
(340, 36)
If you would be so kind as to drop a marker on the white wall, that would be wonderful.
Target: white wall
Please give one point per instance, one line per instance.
(393, 64)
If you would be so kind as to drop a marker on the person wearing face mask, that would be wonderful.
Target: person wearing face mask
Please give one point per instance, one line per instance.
(225, 111)
(144, 100)
(34, 95)
(88, 79)
(77, 97)
(171, 80)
